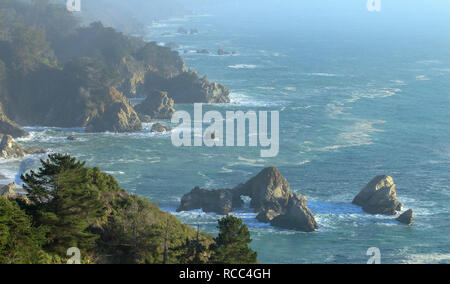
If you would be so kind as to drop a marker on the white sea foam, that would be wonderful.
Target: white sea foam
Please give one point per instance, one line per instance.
(322, 74)
(304, 162)
(246, 101)
(243, 66)
(428, 258)
(422, 78)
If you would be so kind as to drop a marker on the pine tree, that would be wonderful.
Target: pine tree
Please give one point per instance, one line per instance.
(65, 201)
(20, 243)
(231, 244)
(192, 251)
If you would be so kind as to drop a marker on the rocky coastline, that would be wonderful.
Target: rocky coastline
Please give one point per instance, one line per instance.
(274, 203)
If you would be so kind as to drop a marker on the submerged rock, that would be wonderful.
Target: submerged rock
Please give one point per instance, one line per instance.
(118, 116)
(221, 201)
(182, 31)
(158, 127)
(72, 138)
(222, 52)
(202, 51)
(379, 196)
(157, 105)
(407, 217)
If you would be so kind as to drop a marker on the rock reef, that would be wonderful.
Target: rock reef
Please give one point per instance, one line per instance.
(270, 197)
(379, 196)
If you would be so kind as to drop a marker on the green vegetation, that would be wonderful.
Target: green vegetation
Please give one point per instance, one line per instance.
(61, 74)
(231, 245)
(71, 205)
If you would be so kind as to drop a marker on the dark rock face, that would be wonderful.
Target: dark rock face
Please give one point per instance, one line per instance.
(222, 52)
(9, 127)
(297, 216)
(187, 88)
(269, 190)
(158, 106)
(271, 199)
(379, 197)
(9, 149)
(221, 201)
(182, 31)
(407, 217)
(158, 127)
(118, 116)
(202, 51)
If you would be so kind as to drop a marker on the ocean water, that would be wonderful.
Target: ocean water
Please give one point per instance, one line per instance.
(351, 107)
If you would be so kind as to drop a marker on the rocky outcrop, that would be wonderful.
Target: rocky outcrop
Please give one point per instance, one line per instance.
(187, 88)
(268, 190)
(9, 149)
(379, 196)
(118, 116)
(157, 105)
(158, 127)
(297, 216)
(202, 51)
(10, 191)
(407, 217)
(9, 127)
(222, 52)
(270, 197)
(221, 201)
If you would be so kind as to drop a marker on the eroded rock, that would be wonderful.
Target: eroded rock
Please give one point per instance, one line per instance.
(157, 105)
(407, 217)
(221, 201)
(379, 196)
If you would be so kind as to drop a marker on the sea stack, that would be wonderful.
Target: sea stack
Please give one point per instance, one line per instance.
(379, 196)
(407, 217)
(271, 198)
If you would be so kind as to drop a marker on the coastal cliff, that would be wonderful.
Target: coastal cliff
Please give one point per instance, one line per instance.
(63, 74)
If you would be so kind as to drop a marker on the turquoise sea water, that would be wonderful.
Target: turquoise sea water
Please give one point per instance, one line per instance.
(352, 106)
